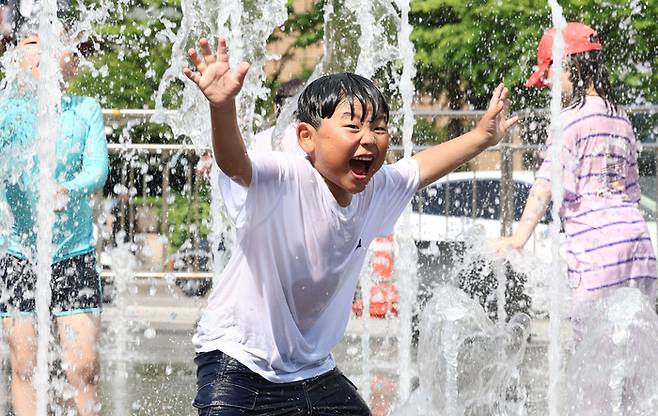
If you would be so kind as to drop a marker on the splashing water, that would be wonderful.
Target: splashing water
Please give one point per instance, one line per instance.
(20, 158)
(469, 363)
(192, 120)
(246, 29)
(614, 370)
(49, 99)
(357, 38)
(555, 359)
(408, 254)
(123, 264)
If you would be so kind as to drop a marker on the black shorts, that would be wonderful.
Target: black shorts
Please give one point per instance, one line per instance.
(75, 285)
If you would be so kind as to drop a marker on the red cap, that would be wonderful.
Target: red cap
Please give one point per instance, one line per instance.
(578, 38)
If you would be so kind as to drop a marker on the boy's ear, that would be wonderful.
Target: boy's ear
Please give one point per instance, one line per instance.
(305, 134)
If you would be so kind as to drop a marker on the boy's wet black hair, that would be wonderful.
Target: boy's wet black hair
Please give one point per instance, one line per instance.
(589, 68)
(321, 97)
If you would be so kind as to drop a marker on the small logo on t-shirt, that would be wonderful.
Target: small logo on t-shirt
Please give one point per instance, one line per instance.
(358, 245)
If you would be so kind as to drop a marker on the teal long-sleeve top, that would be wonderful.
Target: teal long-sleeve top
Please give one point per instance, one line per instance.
(82, 168)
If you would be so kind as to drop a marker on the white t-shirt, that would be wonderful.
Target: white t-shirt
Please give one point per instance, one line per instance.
(284, 298)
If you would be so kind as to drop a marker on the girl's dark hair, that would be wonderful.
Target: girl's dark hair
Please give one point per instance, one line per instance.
(321, 97)
(589, 68)
(23, 26)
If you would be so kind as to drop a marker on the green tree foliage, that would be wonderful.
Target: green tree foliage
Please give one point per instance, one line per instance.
(464, 48)
(133, 55)
(305, 28)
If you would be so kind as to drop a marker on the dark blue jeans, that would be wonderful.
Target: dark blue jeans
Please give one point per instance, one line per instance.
(228, 388)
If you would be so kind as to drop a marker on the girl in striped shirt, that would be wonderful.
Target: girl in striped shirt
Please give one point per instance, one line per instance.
(607, 240)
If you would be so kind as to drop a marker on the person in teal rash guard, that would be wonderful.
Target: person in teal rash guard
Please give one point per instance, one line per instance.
(82, 168)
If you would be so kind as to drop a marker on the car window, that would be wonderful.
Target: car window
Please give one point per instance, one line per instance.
(459, 199)
(434, 199)
(430, 200)
(521, 192)
(488, 199)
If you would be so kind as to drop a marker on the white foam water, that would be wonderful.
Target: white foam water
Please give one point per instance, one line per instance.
(558, 275)
(49, 99)
(470, 365)
(123, 264)
(614, 368)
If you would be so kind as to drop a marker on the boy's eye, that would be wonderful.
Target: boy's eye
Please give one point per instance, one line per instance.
(352, 126)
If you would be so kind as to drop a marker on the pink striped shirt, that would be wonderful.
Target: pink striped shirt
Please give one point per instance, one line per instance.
(608, 242)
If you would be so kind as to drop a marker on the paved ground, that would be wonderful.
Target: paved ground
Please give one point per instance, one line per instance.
(147, 356)
(164, 306)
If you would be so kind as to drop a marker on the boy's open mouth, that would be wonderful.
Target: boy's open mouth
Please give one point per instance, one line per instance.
(360, 166)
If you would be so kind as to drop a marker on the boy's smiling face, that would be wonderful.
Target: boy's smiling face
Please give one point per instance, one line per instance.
(347, 148)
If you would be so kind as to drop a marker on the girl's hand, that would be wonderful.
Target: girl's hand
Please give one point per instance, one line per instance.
(494, 124)
(214, 77)
(502, 245)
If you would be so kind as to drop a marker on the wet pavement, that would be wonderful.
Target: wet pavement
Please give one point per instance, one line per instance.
(153, 373)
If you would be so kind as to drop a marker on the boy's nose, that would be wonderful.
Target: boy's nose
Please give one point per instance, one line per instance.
(368, 137)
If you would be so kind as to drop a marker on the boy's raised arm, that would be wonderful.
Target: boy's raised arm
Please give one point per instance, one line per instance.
(220, 85)
(441, 159)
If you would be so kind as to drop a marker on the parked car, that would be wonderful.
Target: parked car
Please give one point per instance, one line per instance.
(446, 210)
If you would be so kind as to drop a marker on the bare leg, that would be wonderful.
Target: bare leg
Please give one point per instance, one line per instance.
(21, 337)
(78, 335)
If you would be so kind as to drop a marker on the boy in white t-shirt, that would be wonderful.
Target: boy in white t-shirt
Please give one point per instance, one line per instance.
(303, 225)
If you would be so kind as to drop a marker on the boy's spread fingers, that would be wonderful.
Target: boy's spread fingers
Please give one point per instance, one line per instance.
(504, 93)
(241, 72)
(496, 108)
(512, 121)
(206, 51)
(193, 76)
(222, 50)
(198, 63)
(496, 95)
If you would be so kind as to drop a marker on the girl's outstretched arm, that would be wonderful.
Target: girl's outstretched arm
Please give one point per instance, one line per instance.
(221, 85)
(442, 159)
(535, 208)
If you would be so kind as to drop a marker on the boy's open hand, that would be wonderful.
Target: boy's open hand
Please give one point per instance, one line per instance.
(494, 124)
(214, 76)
